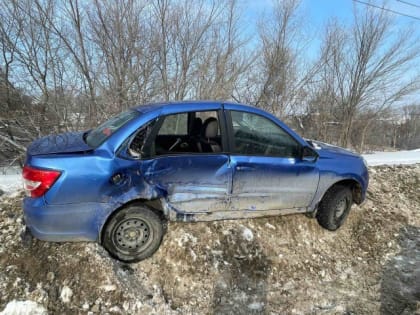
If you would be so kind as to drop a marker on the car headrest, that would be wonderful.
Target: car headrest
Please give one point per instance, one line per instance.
(210, 127)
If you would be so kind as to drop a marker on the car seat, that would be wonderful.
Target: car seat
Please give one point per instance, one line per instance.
(208, 137)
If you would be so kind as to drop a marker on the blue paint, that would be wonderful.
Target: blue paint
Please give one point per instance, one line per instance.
(61, 143)
(95, 182)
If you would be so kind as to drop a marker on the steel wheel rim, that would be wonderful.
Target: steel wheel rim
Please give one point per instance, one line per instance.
(132, 235)
(341, 208)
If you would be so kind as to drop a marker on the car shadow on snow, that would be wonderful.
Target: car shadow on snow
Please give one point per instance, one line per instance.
(241, 287)
(400, 289)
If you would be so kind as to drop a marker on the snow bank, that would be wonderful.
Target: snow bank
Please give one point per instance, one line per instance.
(66, 294)
(23, 308)
(247, 234)
(393, 158)
(10, 179)
(10, 183)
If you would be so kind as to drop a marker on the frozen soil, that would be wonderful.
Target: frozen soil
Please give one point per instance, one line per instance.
(278, 265)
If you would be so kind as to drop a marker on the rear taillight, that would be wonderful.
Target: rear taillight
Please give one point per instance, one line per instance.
(36, 182)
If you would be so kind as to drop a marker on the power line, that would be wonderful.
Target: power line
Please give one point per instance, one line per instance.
(409, 3)
(388, 10)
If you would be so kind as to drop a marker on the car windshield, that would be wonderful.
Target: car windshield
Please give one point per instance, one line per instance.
(98, 135)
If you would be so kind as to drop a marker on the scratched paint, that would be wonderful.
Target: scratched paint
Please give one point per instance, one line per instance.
(267, 183)
(194, 184)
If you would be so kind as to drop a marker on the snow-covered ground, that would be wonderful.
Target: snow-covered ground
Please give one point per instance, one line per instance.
(276, 265)
(24, 308)
(393, 158)
(10, 183)
(10, 179)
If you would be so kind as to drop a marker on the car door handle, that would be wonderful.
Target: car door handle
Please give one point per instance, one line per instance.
(245, 168)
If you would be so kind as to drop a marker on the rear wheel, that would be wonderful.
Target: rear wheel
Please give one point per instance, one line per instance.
(334, 207)
(133, 233)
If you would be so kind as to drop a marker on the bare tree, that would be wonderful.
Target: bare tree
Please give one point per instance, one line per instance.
(365, 67)
(409, 131)
(69, 26)
(184, 28)
(224, 60)
(10, 32)
(283, 79)
(123, 40)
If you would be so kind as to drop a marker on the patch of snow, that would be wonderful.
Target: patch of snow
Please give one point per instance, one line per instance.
(256, 306)
(66, 294)
(185, 238)
(393, 158)
(11, 170)
(270, 226)
(115, 309)
(23, 308)
(193, 255)
(108, 287)
(126, 306)
(247, 234)
(10, 183)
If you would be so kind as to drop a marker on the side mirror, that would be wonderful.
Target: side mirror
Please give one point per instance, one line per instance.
(309, 154)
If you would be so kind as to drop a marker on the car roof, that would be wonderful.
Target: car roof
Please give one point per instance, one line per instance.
(153, 110)
(191, 105)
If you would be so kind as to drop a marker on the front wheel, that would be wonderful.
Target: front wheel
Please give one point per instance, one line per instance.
(133, 233)
(334, 207)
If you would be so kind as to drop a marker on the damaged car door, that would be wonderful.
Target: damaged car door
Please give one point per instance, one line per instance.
(188, 164)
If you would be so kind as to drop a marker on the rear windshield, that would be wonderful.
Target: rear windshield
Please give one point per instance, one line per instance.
(98, 135)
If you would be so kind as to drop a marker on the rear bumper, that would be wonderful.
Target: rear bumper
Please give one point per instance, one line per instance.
(60, 223)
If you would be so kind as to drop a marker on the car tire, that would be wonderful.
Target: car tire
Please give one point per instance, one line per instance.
(334, 207)
(133, 234)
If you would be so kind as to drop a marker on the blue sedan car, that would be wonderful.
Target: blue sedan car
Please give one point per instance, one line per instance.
(185, 161)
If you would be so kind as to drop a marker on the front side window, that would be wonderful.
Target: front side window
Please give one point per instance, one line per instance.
(257, 135)
(137, 147)
(175, 125)
(98, 135)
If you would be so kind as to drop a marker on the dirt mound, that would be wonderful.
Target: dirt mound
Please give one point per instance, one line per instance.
(274, 265)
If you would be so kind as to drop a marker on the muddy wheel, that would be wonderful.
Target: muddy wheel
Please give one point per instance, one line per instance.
(334, 207)
(133, 233)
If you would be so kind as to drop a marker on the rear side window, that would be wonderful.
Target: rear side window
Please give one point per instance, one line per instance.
(98, 135)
